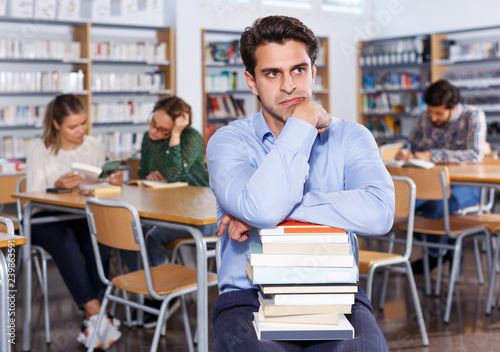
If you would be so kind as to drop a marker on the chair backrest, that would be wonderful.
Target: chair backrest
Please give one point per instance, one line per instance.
(133, 168)
(6, 225)
(20, 187)
(389, 151)
(405, 193)
(429, 182)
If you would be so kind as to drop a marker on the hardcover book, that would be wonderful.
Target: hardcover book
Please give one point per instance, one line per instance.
(322, 318)
(270, 309)
(306, 248)
(258, 258)
(296, 227)
(157, 184)
(301, 299)
(284, 331)
(317, 288)
(92, 173)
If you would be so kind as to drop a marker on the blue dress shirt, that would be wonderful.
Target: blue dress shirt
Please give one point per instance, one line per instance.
(336, 178)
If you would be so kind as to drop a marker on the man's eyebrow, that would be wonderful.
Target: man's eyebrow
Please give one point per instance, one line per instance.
(274, 69)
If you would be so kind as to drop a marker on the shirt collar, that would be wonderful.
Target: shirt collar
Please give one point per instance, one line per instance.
(261, 127)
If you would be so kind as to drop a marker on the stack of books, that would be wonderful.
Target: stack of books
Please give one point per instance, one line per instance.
(307, 278)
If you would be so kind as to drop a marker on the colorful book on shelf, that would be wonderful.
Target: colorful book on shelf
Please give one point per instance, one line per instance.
(257, 257)
(289, 331)
(313, 288)
(301, 275)
(270, 309)
(157, 184)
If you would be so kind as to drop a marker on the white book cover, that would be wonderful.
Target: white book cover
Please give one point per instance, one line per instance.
(23, 9)
(101, 9)
(68, 10)
(3, 7)
(313, 299)
(129, 7)
(306, 238)
(45, 9)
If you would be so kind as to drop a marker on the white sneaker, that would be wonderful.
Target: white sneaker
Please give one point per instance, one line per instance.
(108, 331)
(86, 333)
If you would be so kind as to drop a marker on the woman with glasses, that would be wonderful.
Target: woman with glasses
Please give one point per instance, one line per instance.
(171, 151)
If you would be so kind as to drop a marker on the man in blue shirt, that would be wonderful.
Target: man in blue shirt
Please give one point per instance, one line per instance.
(291, 160)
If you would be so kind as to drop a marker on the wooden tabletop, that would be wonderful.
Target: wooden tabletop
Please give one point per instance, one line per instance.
(483, 173)
(188, 205)
(5, 239)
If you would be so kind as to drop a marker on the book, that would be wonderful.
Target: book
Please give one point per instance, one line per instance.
(12, 165)
(100, 189)
(306, 248)
(301, 299)
(296, 227)
(157, 184)
(321, 318)
(317, 288)
(92, 173)
(424, 164)
(270, 309)
(306, 238)
(257, 258)
(284, 331)
(301, 275)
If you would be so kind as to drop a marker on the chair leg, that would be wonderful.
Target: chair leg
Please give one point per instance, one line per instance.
(46, 312)
(104, 304)
(479, 267)
(369, 283)
(162, 325)
(490, 301)
(187, 326)
(427, 275)
(455, 267)
(416, 302)
(439, 273)
(384, 290)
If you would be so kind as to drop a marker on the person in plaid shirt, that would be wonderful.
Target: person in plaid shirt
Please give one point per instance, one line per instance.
(448, 133)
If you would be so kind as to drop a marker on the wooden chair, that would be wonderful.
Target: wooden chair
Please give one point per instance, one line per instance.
(388, 151)
(162, 283)
(434, 184)
(371, 261)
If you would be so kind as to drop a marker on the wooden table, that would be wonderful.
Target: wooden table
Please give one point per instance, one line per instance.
(484, 175)
(7, 241)
(178, 208)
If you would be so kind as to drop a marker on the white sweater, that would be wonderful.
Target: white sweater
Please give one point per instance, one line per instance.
(44, 168)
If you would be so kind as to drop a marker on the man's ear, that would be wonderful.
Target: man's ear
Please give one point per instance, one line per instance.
(314, 71)
(251, 83)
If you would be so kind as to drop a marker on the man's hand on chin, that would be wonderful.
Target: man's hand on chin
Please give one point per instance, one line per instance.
(312, 112)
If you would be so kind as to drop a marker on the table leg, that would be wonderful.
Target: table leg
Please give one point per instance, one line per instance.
(4, 304)
(27, 279)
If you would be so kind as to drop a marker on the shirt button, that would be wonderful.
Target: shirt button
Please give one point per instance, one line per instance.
(185, 165)
(167, 152)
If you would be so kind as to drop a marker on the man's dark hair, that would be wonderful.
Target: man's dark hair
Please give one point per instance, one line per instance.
(275, 29)
(442, 93)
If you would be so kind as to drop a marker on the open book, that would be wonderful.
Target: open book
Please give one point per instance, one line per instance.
(424, 164)
(157, 184)
(92, 173)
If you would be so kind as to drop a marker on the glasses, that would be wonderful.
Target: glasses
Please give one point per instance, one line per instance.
(153, 124)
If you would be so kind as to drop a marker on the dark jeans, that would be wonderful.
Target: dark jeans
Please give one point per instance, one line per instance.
(67, 242)
(461, 197)
(233, 315)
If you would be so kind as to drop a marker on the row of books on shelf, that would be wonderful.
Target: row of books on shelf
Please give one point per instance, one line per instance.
(225, 106)
(221, 82)
(12, 165)
(210, 129)
(387, 103)
(16, 146)
(11, 48)
(142, 51)
(22, 115)
(116, 142)
(46, 81)
(387, 80)
(452, 51)
(223, 52)
(488, 103)
(150, 81)
(477, 78)
(123, 111)
(307, 279)
(392, 52)
(385, 126)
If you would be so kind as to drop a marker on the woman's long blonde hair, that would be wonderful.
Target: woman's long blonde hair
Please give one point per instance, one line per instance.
(57, 110)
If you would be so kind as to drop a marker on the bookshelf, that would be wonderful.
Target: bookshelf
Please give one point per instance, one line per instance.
(468, 58)
(226, 96)
(118, 71)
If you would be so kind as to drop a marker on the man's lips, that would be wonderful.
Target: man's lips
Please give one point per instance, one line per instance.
(291, 101)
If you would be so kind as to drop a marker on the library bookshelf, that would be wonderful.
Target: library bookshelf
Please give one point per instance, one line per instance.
(226, 96)
(468, 58)
(118, 71)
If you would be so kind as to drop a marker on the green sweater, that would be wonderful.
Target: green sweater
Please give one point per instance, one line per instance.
(181, 163)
